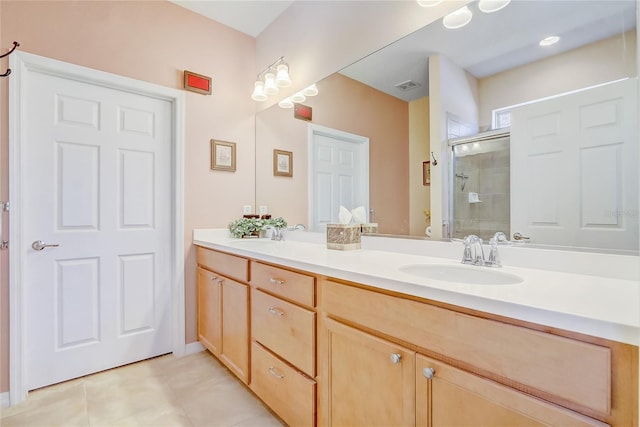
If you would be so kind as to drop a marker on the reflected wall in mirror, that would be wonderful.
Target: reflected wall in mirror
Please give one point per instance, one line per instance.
(495, 63)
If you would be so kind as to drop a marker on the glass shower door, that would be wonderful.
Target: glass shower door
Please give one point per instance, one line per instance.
(480, 202)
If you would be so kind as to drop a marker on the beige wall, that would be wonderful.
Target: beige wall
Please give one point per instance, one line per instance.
(151, 41)
(349, 106)
(419, 195)
(604, 61)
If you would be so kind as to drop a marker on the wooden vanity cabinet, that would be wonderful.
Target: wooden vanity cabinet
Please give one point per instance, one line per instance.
(485, 372)
(368, 381)
(223, 309)
(283, 355)
(447, 396)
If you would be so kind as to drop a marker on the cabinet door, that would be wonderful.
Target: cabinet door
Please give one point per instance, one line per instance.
(367, 381)
(447, 396)
(235, 327)
(209, 311)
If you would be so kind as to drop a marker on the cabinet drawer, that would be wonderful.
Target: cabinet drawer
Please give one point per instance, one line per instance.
(230, 265)
(558, 368)
(289, 393)
(293, 286)
(286, 329)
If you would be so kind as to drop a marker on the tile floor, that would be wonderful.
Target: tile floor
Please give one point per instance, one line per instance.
(194, 390)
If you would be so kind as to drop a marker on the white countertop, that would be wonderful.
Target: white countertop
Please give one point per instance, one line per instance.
(604, 307)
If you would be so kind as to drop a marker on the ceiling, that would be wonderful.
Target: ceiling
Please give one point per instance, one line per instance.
(513, 32)
(247, 16)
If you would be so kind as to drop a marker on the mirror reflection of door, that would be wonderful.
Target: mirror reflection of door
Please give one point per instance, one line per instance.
(338, 174)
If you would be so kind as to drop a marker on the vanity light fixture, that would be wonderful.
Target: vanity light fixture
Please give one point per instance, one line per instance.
(271, 79)
(429, 3)
(458, 18)
(548, 41)
(298, 97)
(490, 6)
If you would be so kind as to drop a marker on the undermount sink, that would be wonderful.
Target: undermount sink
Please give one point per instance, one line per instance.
(467, 274)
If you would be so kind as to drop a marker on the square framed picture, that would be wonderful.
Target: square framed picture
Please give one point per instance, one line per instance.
(223, 155)
(426, 173)
(282, 163)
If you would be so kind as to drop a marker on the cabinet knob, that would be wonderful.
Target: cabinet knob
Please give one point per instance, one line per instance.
(428, 373)
(214, 278)
(396, 358)
(276, 281)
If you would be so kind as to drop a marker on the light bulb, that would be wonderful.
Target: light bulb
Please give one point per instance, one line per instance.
(270, 87)
(489, 6)
(298, 97)
(286, 103)
(282, 76)
(458, 18)
(548, 41)
(310, 90)
(258, 92)
(429, 3)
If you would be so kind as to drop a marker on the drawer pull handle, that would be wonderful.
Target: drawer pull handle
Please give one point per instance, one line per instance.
(275, 311)
(396, 358)
(273, 372)
(276, 281)
(428, 373)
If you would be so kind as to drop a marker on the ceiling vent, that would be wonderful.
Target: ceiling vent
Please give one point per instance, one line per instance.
(408, 85)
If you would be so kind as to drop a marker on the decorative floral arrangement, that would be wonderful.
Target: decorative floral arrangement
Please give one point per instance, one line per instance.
(254, 226)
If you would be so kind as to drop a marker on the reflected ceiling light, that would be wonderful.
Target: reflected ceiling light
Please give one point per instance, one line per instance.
(548, 41)
(310, 90)
(286, 103)
(489, 6)
(458, 18)
(429, 3)
(258, 91)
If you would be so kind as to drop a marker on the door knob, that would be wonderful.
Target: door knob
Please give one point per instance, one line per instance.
(519, 236)
(39, 245)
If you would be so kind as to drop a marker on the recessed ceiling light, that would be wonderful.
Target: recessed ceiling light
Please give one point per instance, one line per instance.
(458, 18)
(548, 41)
(489, 6)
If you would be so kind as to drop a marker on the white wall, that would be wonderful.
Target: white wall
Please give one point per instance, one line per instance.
(455, 91)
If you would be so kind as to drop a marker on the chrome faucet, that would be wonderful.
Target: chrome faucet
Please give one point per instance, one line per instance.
(296, 227)
(474, 254)
(276, 233)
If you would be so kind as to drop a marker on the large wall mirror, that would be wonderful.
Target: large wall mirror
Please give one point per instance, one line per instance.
(409, 99)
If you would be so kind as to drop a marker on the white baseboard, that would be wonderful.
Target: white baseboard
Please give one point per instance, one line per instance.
(193, 347)
(4, 400)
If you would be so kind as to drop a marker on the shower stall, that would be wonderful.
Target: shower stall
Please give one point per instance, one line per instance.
(479, 185)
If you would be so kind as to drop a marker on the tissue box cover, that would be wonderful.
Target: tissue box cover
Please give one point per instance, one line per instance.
(343, 236)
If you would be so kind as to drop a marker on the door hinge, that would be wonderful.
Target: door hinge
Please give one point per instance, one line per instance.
(4, 206)
(4, 244)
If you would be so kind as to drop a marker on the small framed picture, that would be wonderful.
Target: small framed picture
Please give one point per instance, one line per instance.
(282, 163)
(426, 173)
(197, 82)
(223, 155)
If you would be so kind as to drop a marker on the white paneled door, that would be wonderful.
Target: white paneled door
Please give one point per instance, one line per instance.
(574, 168)
(97, 186)
(339, 174)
